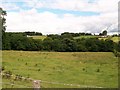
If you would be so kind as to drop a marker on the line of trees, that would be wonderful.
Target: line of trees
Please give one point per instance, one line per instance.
(59, 43)
(33, 33)
(76, 34)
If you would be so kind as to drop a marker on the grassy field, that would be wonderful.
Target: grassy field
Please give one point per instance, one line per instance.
(115, 39)
(38, 37)
(89, 36)
(64, 69)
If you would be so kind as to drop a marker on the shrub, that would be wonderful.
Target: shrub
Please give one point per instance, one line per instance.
(98, 70)
(116, 53)
(38, 69)
(3, 68)
(26, 63)
(83, 69)
(35, 64)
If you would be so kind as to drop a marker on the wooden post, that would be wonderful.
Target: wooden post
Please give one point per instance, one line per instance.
(36, 84)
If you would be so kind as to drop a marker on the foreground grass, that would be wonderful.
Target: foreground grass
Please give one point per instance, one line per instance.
(79, 68)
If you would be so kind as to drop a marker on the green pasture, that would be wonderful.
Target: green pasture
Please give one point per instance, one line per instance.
(65, 69)
(38, 37)
(115, 39)
(89, 36)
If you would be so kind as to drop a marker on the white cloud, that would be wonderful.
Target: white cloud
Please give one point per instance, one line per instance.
(47, 22)
(100, 6)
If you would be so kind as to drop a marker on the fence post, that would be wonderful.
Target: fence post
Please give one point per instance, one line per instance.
(36, 84)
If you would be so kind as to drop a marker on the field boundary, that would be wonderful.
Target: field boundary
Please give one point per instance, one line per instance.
(42, 81)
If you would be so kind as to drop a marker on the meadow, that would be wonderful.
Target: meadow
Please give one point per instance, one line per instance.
(38, 37)
(62, 69)
(114, 39)
(88, 36)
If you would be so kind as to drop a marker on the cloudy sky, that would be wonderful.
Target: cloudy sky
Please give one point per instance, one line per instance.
(57, 16)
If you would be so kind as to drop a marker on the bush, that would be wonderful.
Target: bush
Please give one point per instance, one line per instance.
(98, 70)
(116, 53)
(83, 69)
(3, 68)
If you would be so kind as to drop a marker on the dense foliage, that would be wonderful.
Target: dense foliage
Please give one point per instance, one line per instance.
(2, 26)
(33, 33)
(60, 43)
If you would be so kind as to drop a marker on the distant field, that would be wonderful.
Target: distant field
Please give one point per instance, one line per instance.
(89, 36)
(115, 39)
(81, 69)
(38, 37)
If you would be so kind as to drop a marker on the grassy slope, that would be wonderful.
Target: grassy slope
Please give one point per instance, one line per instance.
(63, 68)
(115, 39)
(38, 37)
(89, 36)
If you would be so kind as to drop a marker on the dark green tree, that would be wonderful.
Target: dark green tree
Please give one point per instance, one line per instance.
(69, 45)
(47, 44)
(104, 33)
(2, 26)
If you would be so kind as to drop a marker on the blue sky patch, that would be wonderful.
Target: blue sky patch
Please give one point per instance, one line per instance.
(59, 11)
(22, 6)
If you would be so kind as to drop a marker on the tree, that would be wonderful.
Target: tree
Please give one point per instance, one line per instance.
(2, 26)
(7, 42)
(69, 45)
(57, 45)
(54, 36)
(104, 33)
(38, 44)
(81, 45)
(47, 44)
(2, 19)
(18, 41)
